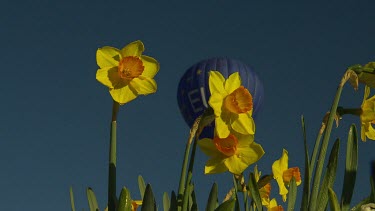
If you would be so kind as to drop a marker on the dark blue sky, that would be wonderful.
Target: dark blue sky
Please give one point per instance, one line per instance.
(55, 116)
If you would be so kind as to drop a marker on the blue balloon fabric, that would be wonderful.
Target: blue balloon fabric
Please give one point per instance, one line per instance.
(193, 90)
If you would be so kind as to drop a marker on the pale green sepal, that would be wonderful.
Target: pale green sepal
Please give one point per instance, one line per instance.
(141, 185)
(93, 203)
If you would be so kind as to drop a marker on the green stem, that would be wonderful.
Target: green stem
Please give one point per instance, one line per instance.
(323, 150)
(183, 184)
(315, 151)
(181, 187)
(112, 160)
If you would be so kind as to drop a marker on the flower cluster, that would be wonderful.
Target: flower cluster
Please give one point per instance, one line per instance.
(233, 148)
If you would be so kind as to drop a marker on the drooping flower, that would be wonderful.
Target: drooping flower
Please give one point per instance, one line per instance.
(263, 191)
(126, 72)
(232, 105)
(274, 207)
(367, 116)
(282, 174)
(233, 153)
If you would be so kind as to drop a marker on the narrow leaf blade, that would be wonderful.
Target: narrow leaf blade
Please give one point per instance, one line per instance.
(141, 185)
(166, 201)
(329, 176)
(93, 203)
(72, 198)
(212, 202)
(148, 203)
(350, 168)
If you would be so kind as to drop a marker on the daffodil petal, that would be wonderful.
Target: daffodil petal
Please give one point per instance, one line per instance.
(244, 157)
(273, 203)
(244, 124)
(233, 82)
(108, 76)
(367, 93)
(235, 165)
(123, 95)
(368, 116)
(108, 57)
(216, 82)
(283, 191)
(363, 132)
(214, 166)
(144, 86)
(216, 103)
(151, 66)
(244, 140)
(279, 166)
(208, 147)
(133, 49)
(370, 132)
(221, 128)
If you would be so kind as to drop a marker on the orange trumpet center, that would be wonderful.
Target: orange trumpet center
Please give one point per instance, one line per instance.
(227, 146)
(239, 101)
(292, 172)
(130, 67)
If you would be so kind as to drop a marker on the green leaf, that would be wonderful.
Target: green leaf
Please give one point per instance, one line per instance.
(148, 203)
(212, 202)
(292, 194)
(254, 191)
(329, 177)
(227, 205)
(187, 200)
(306, 181)
(141, 185)
(194, 205)
(166, 201)
(93, 204)
(173, 201)
(333, 202)
(72, 198)
(125, 201)
(350, 168)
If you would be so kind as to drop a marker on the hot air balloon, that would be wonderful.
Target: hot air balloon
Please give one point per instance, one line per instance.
(193, 91)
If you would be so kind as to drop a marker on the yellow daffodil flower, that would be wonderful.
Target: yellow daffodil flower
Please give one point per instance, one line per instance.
(282, 174)
(263, 191)
(274, 207)
(233, 153)
(136, 204)
(126, 72)
(232, 105)
(367, 116)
